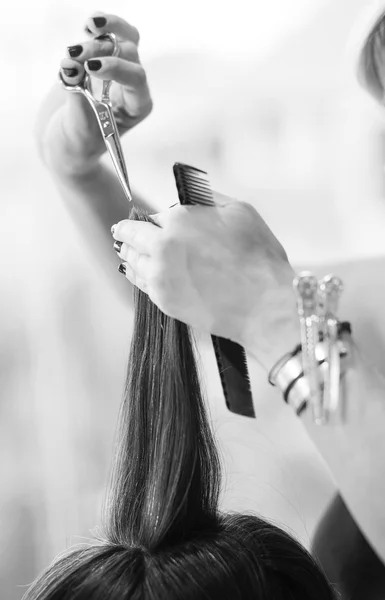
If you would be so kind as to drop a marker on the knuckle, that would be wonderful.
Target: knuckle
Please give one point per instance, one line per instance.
(248, 218)
(149, 106)
(140, 75)
(135, 34)
(129, 51)
(247, 208)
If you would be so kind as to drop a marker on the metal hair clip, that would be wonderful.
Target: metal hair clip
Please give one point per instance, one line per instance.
(313, 371)
(105, 117)
(330, 289)
(306, 288)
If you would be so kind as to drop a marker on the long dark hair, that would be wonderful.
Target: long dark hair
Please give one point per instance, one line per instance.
(164, 537)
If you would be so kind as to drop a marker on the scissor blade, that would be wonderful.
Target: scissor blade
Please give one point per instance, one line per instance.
(115, 149)
(109, 130)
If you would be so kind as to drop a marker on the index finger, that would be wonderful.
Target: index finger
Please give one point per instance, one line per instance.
(141, 235)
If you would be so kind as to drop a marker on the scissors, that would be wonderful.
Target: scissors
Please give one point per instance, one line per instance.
(105, 117)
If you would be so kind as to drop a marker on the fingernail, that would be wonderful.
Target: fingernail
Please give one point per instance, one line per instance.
(94, 65)
(88, 30)
(99, 21)
(75, 51)
(113, 229)
(122, 268)
(70, 72)
(117, 246)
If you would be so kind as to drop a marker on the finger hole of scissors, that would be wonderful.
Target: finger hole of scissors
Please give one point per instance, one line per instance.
(72, 83)
(110, 37)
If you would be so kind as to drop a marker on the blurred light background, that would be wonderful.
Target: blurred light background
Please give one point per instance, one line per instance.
(261, 95)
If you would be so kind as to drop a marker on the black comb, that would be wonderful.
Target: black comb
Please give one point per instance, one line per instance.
(194, 188)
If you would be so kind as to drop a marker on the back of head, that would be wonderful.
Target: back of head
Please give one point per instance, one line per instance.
(365, 47)
(164, 538)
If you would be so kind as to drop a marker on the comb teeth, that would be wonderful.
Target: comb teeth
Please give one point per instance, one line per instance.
(193, 185)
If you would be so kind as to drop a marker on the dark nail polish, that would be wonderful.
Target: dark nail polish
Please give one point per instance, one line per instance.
(75, 51)
(117, 246)
(70, 72)
(113, 229)
(94, 65)
(122, 269)
(99, 21)
(88, 30)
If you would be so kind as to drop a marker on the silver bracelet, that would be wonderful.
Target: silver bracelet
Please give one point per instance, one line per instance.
(295, 387)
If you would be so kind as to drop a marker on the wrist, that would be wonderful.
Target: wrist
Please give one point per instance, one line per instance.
(273, 334)
(283, 337)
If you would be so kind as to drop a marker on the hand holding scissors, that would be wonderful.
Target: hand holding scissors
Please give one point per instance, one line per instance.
(68, 131)
(105, 118)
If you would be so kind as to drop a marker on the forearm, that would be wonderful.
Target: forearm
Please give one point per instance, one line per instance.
(95, 201)
(355, 450)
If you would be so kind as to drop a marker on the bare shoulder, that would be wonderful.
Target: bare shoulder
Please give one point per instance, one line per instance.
(363, 304)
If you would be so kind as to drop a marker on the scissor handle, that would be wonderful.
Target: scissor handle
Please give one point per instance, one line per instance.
(85, 84)
(105, 118)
